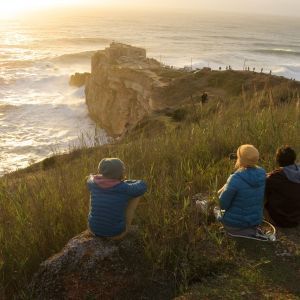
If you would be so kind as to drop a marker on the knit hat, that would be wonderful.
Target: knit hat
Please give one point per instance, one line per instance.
(247, 156)
(111, 168)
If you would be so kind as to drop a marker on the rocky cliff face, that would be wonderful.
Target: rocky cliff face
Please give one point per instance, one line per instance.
(123, 87)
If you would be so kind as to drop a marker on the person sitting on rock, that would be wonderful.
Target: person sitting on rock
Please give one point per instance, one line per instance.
(113, 199)
(283, 189)
(242, 197)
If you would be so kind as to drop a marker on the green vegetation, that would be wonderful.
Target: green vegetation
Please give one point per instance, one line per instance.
(42, 207)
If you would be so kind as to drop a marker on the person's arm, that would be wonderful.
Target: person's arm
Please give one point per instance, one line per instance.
(90, 181)
(135, 188)
(228, 193)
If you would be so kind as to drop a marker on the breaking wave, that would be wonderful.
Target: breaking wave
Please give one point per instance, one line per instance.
(278, 52)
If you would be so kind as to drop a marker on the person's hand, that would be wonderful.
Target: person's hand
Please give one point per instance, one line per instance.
(220, 191)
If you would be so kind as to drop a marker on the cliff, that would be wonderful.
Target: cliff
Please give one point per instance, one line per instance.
(123, 87)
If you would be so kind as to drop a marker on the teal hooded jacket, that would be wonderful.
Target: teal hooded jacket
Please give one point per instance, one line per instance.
(243, 198)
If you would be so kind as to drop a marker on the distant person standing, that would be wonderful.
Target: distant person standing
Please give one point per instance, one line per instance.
(283, 189)
(204, 97)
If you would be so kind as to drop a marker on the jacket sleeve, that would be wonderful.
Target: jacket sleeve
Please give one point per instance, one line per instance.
(135, 188)
(269, 187)
(89, 181)
(228, 193)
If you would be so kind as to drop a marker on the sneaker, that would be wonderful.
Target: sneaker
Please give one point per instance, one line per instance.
(257, 236)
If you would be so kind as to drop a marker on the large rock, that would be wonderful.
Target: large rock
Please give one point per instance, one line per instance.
(123, 87)
(79, 79)
(96, 268)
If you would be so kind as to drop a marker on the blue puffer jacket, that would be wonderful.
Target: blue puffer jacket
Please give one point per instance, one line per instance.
(243, 198)
(107, 215)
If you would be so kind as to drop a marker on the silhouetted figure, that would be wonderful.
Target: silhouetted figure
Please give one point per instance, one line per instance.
(204, 98)
(230, 68)
(270, 72)
(253, 70)
(226, 68)
(248, 68)
(261, 70)
(220, 68)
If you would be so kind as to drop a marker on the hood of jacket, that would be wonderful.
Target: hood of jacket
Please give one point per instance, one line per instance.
(292, 172)
(105, 183)
(255, 177)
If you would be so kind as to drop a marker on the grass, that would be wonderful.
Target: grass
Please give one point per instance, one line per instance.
(42, 207)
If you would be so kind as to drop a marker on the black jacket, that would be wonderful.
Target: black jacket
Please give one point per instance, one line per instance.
(283, 199)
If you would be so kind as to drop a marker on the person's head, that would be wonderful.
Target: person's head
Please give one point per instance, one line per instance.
(247, 156)
(112, 168)
(285, 156)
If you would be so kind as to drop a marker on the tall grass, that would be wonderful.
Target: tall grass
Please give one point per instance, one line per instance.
(43, 208)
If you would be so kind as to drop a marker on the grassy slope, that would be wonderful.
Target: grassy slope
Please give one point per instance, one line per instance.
(45, 205)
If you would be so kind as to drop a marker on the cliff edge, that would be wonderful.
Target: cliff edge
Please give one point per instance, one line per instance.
(124, 86)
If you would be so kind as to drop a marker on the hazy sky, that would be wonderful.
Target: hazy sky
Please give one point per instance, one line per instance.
(285, 7)
(291, 7)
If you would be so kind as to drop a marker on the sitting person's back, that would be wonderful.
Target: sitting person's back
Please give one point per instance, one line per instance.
(112, 201)
(283, 190)
(243, 195)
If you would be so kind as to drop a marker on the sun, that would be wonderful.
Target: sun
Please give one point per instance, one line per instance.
(15, 8)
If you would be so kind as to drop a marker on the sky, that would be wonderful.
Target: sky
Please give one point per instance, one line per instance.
(284, 7)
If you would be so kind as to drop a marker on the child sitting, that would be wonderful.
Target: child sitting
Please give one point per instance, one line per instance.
(242, 197)
(113, 200)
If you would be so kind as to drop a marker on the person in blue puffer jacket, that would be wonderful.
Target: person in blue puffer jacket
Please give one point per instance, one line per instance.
(242, 197)
(112, 200)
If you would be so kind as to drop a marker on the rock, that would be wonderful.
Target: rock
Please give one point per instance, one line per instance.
(79, 79)
(97, 268)
(123, 88)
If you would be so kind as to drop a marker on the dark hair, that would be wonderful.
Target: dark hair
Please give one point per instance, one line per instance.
(285, 156)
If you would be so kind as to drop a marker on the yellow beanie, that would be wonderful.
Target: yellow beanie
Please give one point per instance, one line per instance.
(248, 156)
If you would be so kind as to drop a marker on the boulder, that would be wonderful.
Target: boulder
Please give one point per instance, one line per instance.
(96, 268)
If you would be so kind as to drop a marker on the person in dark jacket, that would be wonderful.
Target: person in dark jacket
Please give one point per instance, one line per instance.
(283, 190)
(113, 200)
(242, 197)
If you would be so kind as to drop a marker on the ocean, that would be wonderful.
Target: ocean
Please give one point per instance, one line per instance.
(40, 114)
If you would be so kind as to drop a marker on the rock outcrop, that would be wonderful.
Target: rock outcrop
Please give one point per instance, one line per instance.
(96, 268)
(123, 87)
(79, 79)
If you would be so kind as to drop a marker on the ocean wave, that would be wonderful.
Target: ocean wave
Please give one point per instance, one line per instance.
(235, 38)
(16, 64)
(78, 40)
(73, 57)
(265, 45)
(278, 52)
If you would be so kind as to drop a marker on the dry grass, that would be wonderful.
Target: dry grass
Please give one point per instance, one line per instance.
(40, 209)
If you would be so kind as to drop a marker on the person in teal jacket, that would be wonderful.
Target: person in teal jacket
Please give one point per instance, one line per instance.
(113, 199)
(242, 197)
